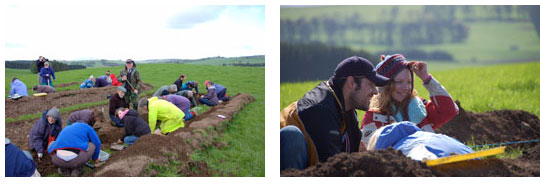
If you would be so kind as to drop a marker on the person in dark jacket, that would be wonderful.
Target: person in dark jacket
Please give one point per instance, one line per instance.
(117, 101)
(45, 130)
(324, 122)
(47, 75)
(102, 81)
(190, 85)
(19, 163)
(39, 64)
(221, 91)
(179, 81)
(210, 98)
(75, 145)
(43, 89)
(85, 116)
(135, 126)
(131, 79)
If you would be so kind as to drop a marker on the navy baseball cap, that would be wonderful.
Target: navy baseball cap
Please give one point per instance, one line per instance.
(358, 66)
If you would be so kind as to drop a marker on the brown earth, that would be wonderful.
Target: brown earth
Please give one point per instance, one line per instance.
(66, 84)
(150, 148)
(32, 104)
(489, 127)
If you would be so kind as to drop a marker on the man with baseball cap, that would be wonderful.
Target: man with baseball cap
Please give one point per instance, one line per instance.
(324, 122)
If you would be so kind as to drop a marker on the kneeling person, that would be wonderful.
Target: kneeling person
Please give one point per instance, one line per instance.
(134, 125)
(85, 116)
(43, 89)
(170, 116)
(182, 103)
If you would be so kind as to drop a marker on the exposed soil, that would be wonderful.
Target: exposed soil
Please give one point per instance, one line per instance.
(489, 127)
(66, 84)
(32, 104)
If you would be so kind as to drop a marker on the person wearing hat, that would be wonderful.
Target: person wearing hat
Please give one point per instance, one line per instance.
(131, 80)
(76, 144)
(398, 100)
(45, 131)
(17, 87)
(117, 101)
(210, 98)
(170, 89)
(46, 73)
(43, 89)
(88, 83)
(170, 116)
(324, 121)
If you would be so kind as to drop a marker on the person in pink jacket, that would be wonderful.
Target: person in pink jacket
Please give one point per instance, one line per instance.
(398, 100)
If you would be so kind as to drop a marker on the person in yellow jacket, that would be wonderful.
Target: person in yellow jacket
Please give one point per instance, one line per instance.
(170, 116)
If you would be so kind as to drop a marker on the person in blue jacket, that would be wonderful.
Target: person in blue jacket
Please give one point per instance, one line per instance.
(88, 83)
(75, 145)
(19, 163)
(46, 73)
(415, 143)
(190, 85)
(17, 87)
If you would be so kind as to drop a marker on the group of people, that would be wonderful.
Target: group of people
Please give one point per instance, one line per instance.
(324, 121)
(45, 76)
(109, 79)
(74, 143)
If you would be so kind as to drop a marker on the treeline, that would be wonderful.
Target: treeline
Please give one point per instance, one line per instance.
(433, 25)
(31, 64)
(313, 61)
(245, 64)
(416, 54)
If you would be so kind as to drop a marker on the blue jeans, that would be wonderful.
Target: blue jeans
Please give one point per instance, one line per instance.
(205, 101)
(130, 139)
(293, 148)
(116, 121)
(187, 115)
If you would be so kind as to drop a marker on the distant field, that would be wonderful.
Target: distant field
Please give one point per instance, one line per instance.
(221, 61)
(479, 88)
(488, 41)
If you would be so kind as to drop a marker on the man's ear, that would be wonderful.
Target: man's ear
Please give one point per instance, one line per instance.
(350, 82)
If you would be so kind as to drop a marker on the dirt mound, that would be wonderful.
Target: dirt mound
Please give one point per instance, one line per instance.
(27, 105)
(493, 126)
(532, 154)
(177, 145)
(66, 84)
(381, 163)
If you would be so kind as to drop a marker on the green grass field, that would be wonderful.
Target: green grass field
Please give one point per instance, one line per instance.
(245, 136)
(488, 41)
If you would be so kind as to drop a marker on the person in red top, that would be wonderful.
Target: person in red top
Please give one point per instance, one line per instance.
(398, 100)
(115, 81)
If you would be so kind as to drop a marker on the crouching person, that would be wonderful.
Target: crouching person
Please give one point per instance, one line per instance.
(210, 98)
(415, 143)
(134, 126)
(117, 101)
(19, 163)
(182, 103)
(85, 116)
(45, 131)
(170, 116)
(75, 145)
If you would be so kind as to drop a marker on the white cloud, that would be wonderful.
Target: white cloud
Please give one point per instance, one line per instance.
(138, 32)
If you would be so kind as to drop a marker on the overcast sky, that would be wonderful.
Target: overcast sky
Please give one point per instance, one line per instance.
(137, 32)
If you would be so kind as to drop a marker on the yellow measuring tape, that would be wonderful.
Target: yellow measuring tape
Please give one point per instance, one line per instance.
(462, 157)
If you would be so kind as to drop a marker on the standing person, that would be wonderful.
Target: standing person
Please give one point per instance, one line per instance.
(88, 83)
(17, 87)
(179, 81)
(132, 82)
(135, 126)
(324, 122)
(75, 145)
(190, 85)
(117, 101)
(85, 116)
(46, 73)
(170, 116)
(181, 102)
(19, 163)
(43, 89)
(39, 64)
(398, 100)
(210, 98)
(45, 131)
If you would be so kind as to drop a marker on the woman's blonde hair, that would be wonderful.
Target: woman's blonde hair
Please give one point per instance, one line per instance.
(382, 102)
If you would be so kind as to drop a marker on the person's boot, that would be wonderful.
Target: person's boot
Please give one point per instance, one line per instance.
(64, 172)
(75, 172)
